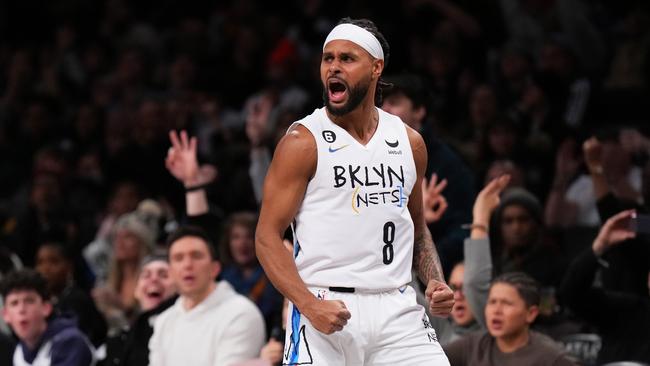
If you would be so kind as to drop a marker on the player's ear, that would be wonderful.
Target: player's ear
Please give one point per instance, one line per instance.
(377, 68)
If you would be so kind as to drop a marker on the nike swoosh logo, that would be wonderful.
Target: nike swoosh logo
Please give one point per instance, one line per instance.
(337, 149)
(392, 144)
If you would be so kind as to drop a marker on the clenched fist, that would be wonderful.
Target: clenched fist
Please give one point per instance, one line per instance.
(327, 316)
(441, 298)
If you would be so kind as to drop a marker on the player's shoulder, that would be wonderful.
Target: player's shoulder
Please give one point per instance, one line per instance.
(297, 151)
(301, 132)
(297, 139)
(414, 136)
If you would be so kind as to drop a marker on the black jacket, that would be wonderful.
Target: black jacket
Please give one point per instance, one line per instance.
(131, 346)
(622, 318)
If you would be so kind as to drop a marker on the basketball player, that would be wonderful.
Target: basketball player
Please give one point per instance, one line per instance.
(348, 178)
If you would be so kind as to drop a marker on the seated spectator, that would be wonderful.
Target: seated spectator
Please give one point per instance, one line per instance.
(115, 298)
(572, 202)
(54, 262)
(519, 241)
(44, 340)
(98, 253)
(470, 279)
(629, 263)
(625, 338)
(512, 306)
(155, 293)
(210, 324)
(241, 268)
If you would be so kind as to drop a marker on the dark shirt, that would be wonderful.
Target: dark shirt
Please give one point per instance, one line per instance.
(480, 349)
(256, 287)
(69, 346)
(74, 301)
(622, 318)
(7, 346)
(131, 346)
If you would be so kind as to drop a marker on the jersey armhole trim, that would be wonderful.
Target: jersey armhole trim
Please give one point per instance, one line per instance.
(291, 128)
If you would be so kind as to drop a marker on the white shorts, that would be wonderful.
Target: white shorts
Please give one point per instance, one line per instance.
(386, 328)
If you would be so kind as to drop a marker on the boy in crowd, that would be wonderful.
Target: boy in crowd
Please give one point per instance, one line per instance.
(43, 339)
(512, 306)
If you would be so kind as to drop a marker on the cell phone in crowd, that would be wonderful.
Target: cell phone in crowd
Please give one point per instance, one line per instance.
(277, 333)
(640, 224)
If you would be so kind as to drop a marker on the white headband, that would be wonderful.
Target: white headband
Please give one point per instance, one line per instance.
(358, 35)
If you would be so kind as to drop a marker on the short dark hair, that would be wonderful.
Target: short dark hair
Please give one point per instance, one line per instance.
(411, 86)
(195, 231)
(24, 280)
(65, 250)
(525, 285)
(372, 28)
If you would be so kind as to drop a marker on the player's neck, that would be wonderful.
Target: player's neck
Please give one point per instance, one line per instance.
(361, 122)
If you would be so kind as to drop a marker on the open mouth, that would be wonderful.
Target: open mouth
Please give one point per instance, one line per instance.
(496, 324)
(188, 279)
(337, 90)
(155, 295)
(459, 310)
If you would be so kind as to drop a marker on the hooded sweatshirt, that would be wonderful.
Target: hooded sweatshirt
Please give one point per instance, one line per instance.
(62, 344)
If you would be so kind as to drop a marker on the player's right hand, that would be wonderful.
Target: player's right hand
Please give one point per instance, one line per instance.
(327, 316)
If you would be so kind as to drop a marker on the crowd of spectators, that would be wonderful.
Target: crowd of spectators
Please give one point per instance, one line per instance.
(552, 93)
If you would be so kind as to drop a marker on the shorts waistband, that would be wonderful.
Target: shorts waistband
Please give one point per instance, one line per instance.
(349, 290)
(356, 290)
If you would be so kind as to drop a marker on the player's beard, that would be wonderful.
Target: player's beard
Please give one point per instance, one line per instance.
(356, 94)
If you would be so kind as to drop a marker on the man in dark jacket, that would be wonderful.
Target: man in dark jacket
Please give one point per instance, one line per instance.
(622, 318)
(43, 340)
(155, 292)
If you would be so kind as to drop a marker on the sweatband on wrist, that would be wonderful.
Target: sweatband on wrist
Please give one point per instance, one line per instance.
(475, 226)
(197, 187)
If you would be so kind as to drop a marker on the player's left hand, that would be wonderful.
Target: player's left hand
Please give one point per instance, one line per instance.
(441, 298)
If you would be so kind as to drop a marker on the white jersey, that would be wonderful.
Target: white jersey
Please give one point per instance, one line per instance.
(353, 228)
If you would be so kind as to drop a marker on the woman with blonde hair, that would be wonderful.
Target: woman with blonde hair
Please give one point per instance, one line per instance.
(133, 239)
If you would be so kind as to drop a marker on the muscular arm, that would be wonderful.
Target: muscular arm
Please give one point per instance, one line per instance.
(293, 164)
(425, 257)
(292, 167)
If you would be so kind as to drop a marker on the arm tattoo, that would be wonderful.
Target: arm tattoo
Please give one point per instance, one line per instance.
(425, 258)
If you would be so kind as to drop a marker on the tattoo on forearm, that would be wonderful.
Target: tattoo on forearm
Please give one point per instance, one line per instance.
(425, 258)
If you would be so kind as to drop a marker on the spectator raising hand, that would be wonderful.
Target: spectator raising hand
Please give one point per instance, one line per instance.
(486, 201)
(559, 211)
(593, 153)
(434, 202)
(257, 119)
(183, 164)
(615, 230)
(566, 163)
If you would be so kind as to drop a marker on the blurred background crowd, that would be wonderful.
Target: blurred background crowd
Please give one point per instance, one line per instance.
(552, 92)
